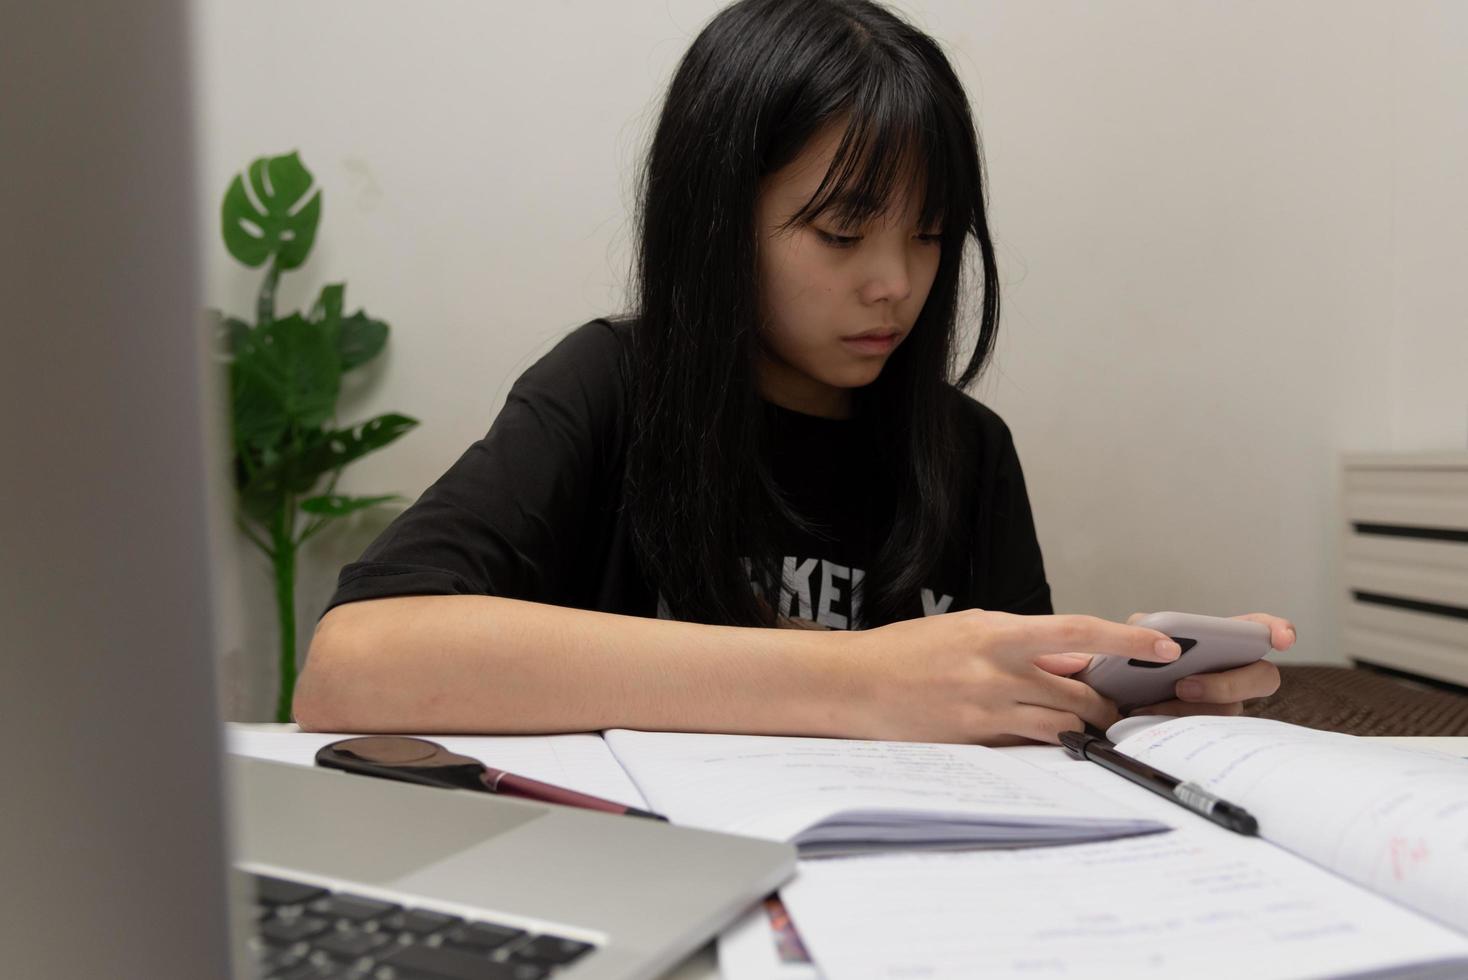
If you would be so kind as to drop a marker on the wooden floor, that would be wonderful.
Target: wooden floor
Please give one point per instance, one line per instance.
(1362, 702)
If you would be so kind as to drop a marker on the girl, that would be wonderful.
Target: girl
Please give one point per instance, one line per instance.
(771, 439)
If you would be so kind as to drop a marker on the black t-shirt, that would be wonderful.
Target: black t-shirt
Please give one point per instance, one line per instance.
(533, 510)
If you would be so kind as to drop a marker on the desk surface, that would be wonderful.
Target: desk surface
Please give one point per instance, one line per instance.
(703, 965)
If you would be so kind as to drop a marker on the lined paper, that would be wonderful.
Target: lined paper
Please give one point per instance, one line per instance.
(1391, 818)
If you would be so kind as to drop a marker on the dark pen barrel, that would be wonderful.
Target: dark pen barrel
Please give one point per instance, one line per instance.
(1188, 795)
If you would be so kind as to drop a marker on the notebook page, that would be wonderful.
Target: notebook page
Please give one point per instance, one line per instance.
(776, 787)
(1157, 907)
(1390, 818)
(1161, 906)
(1200, 902)
(579, 761)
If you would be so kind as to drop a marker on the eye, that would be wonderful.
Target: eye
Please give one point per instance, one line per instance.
(932, 238)
(838, 241)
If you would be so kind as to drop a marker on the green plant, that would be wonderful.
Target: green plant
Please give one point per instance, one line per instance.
(284, 379)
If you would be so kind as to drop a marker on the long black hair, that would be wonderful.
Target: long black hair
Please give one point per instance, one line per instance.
(757, 83)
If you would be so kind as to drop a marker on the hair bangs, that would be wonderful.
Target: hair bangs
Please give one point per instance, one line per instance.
(894, 144)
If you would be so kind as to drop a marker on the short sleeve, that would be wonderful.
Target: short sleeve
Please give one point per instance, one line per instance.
(1020, 574)
(507, 517)
(1011, 570)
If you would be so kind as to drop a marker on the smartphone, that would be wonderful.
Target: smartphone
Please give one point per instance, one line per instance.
(1209, 644)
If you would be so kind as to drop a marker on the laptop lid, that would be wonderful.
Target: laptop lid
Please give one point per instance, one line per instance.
(112, 843)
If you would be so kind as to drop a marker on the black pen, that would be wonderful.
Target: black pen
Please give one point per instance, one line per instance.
(1190, 795)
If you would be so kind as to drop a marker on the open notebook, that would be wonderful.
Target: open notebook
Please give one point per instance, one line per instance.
(1361, 870)
(827, 796)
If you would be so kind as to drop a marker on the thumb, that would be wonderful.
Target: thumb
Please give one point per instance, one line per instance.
(1063, 664)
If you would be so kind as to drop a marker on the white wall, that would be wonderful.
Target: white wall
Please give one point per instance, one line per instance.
(1430, 269)
(1196, 203)
(1231, 236)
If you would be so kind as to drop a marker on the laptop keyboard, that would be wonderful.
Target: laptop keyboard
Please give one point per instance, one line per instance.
(311, 933)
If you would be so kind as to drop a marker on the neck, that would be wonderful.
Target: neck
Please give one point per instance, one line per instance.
(784, 386)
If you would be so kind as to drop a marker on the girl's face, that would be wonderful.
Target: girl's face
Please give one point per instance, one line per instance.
(821, 285)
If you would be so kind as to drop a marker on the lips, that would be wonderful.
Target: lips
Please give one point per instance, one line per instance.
(873, 343)
(879, 333)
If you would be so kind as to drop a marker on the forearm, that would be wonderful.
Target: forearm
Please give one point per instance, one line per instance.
(492, 665)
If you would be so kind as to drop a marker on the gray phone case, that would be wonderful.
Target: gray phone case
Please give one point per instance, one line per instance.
(1210, 643)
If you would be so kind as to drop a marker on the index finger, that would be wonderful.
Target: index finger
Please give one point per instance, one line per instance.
(1034, 636)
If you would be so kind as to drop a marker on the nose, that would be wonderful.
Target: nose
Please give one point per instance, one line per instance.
(888, 277)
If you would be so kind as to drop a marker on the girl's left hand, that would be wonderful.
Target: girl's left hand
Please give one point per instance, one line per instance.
(1223, 693)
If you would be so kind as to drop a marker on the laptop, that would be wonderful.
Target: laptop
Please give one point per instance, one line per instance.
(352, 876)
(121, 817)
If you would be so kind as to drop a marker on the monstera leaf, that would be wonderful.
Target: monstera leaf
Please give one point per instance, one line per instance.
(337, 505)
(347, 445)
(321, 452)
(273, 216)
(285, 374)
(358, 338)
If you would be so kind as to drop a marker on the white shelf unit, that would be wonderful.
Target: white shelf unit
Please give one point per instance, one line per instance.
(1404, 562)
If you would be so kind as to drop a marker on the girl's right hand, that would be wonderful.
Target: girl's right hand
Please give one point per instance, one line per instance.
(972, 676)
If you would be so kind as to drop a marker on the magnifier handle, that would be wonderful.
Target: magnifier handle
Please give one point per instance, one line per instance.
(510, 784)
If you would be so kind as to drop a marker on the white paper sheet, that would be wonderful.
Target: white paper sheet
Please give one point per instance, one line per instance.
(1393, 819)
(1199, 902)
(783, 787)
(581, 761)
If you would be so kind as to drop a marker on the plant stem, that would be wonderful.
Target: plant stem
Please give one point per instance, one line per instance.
(284, 559)
(315, 526)
(265, 303)
(320, 522)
